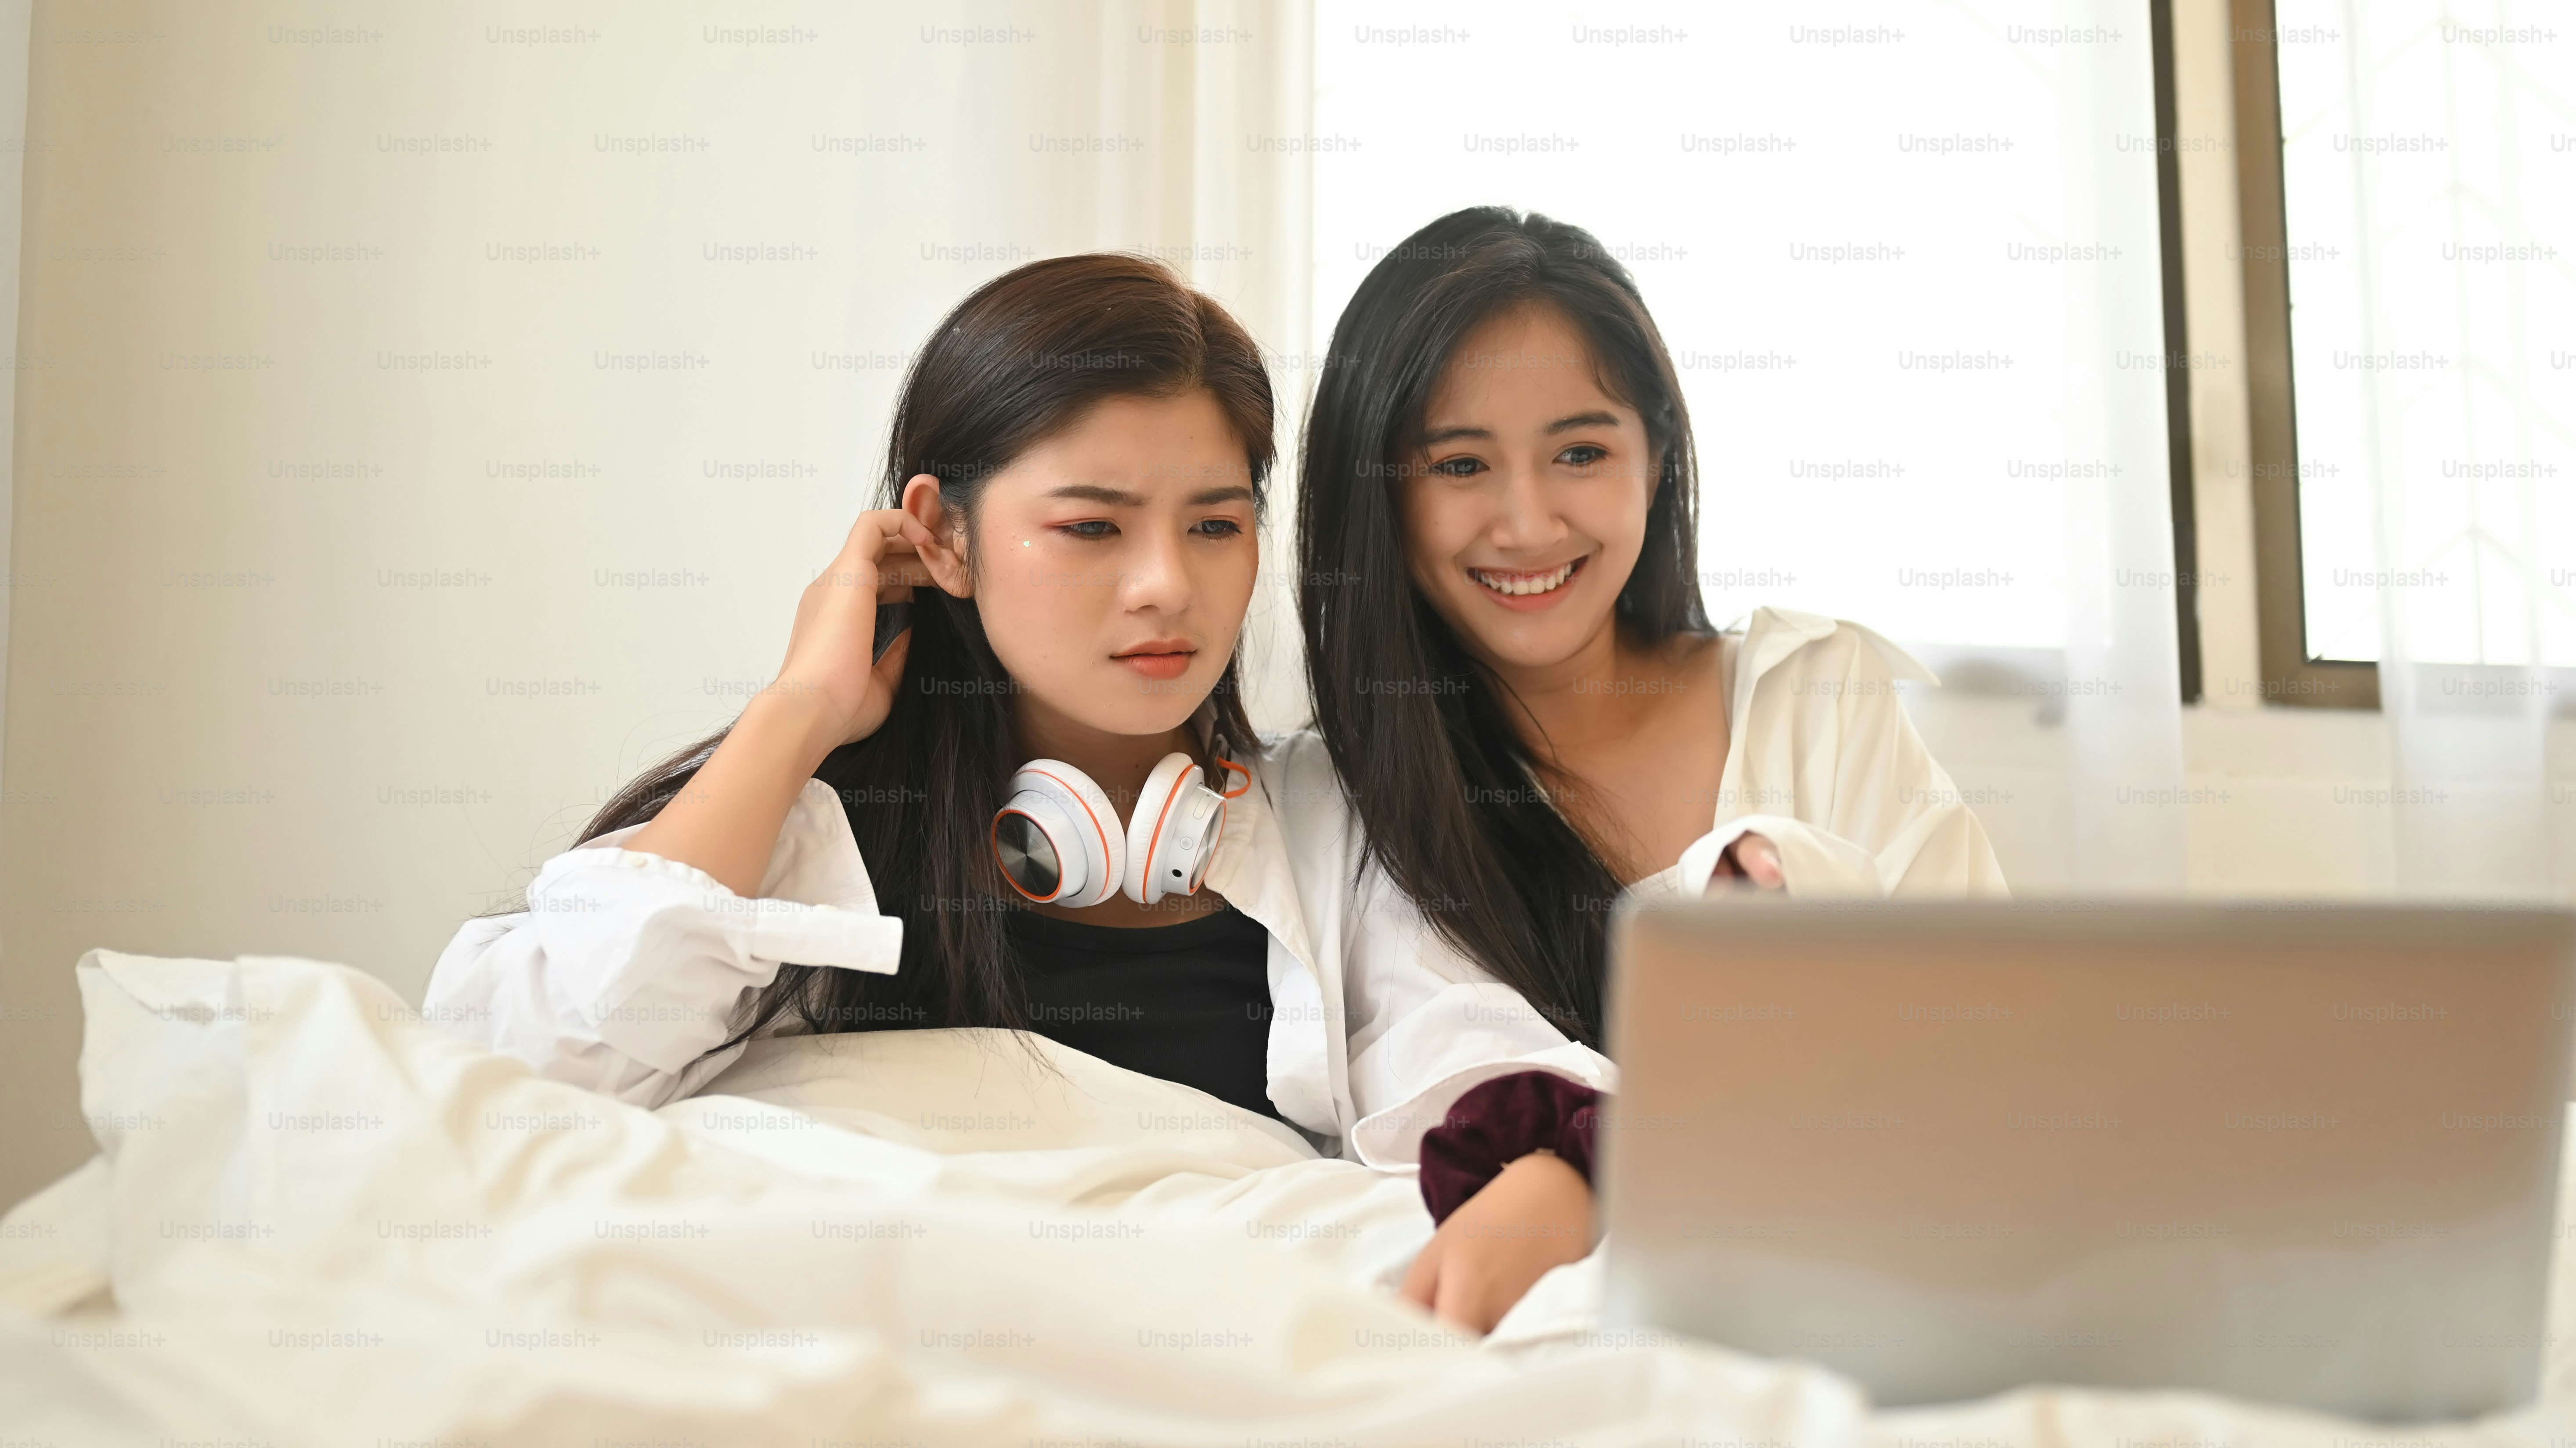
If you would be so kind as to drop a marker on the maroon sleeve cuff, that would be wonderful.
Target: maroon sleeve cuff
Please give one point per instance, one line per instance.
(1497, 1124)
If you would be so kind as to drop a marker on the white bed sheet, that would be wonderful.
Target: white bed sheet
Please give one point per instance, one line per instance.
(324, 1222)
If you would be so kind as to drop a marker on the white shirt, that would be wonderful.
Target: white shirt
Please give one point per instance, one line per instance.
(1823, 763)
(627, 969)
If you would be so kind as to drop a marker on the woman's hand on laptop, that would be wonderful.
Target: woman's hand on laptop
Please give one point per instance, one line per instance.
(1751, 860)
(1535, 1216)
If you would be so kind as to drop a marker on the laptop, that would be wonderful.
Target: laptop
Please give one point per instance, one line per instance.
(2301, 1155)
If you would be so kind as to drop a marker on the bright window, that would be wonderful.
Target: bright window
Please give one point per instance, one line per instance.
(1905, 256)
(2429, 205)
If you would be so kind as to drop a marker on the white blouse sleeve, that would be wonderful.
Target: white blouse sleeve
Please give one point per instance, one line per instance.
(1458, 1036)
(1822, 761)
(1826, 765)
(627, 969)
(1425, 1024)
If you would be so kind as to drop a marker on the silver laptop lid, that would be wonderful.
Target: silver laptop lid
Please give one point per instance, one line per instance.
(2299, 1154)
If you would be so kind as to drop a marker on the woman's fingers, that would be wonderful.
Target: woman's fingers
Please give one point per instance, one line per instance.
(1760, 861)
(1532, 1218)
(1753, 861)
(1452, 1286)
(890, 540)
(831, 650)
(889, 666)
(1441, 1284)
(1467, 1302)
(1422, 1279)
(881, 554)
(900, 570)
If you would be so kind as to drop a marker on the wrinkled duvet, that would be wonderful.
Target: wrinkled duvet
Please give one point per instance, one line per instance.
(315, 1220)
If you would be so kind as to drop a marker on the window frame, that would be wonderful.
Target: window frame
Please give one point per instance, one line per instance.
(2292, 674)
(2180, 456)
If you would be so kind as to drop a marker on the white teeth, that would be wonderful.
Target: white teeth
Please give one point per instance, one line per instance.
(1520, 585)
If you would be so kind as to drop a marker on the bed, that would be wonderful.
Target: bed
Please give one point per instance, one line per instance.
(317, 1220)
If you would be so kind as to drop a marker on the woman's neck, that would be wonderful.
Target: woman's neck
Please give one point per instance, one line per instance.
(1118, 763)
(1581, 700)
(1633, 741)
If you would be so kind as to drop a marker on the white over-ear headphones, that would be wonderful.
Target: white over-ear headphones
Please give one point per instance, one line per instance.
(1059, 842)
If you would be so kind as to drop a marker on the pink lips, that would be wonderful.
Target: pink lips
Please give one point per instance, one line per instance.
(1159, 658)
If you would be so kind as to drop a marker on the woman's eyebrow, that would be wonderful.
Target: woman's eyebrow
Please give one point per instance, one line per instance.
(1095, 493)
(1451, 434)
(1594, 418)
(1235, 494)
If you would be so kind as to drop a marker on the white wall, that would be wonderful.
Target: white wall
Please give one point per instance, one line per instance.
(382, 346)
(2282, 801)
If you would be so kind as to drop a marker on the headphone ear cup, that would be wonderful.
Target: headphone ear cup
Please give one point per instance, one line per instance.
(1171, 834)
(1086, 815)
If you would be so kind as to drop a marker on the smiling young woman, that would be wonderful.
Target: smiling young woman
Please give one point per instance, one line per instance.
(1529, 716)
(1528, 513)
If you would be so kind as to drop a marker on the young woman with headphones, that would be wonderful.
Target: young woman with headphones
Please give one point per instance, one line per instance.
(1519, 691)
(1004, 777)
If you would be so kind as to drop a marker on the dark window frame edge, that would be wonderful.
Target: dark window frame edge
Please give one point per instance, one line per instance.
(2291, 674)
(2180, 462)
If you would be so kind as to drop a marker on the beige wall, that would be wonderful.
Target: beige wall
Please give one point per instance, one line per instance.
(2284, 801)
(324, 513)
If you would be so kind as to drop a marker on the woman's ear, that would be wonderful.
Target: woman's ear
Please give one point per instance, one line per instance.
(945, 557)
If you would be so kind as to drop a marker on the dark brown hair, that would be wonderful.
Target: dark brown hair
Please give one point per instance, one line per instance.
(1425, 739)
(1024, 357)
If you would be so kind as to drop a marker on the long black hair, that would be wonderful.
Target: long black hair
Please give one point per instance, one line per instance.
(1018, 361)
(1426, 740)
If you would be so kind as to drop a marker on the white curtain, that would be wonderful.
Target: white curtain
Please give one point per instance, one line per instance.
(2129, 808)
(378, 358)
(1201, 108)
(2432, 221)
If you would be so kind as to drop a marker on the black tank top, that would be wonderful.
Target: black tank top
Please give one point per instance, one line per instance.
(1187, 1002)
